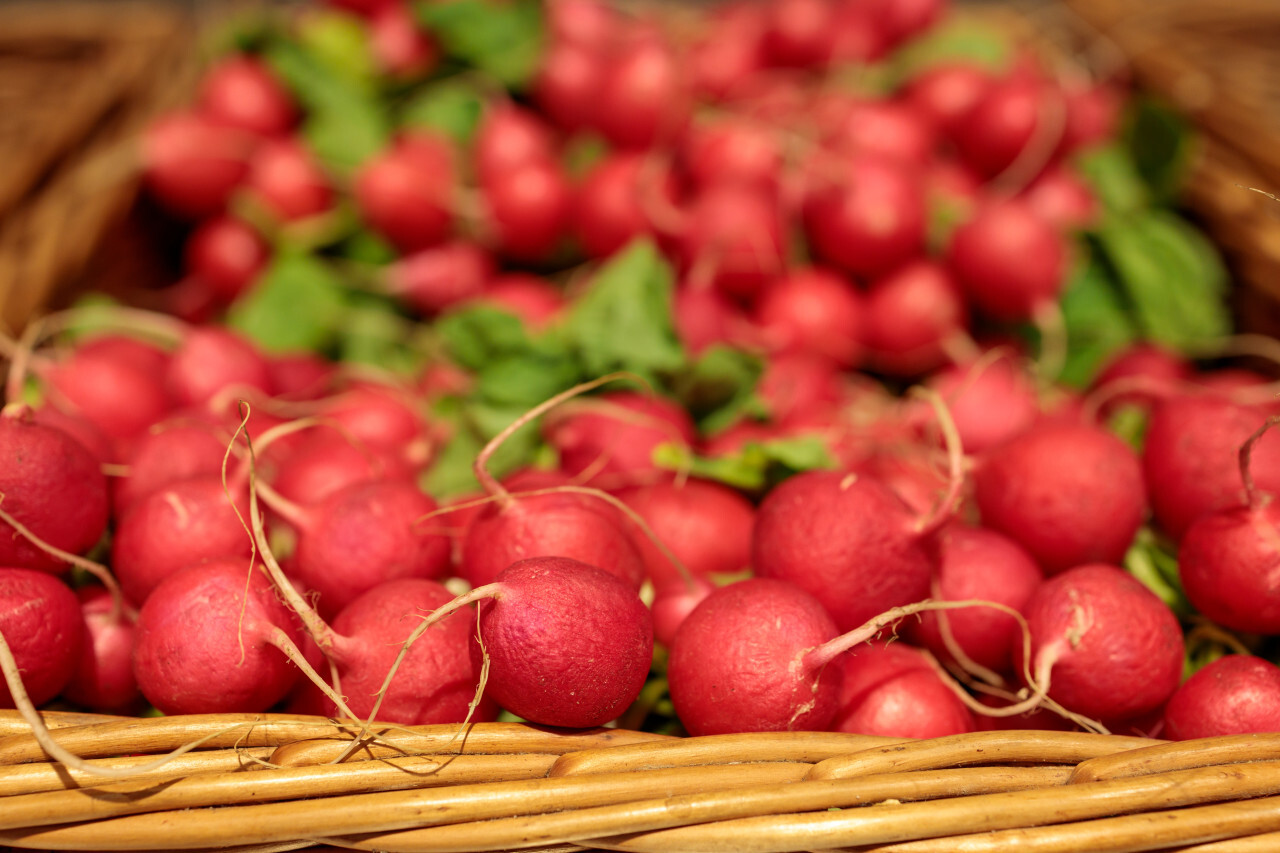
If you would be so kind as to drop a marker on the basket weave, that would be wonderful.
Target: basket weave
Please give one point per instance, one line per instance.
(267, 782)
(77, 83)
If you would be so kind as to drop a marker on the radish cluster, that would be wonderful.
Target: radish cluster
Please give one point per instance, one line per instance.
(377, 458)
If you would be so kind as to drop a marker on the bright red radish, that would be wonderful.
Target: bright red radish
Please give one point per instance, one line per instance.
(738, 663)
(1141, 374)
(888, 129)
(795, 386)
(910, 317)
(729, 52)
(946, 91)
(385, 417)
(567, 85)
(210, 361)
(41, 622)
(1063, 199)
(536, 301)
(227, 254)
(53, 486)
(509, 136)
(301, 375)
(406, 192)
(643, 97)
(800, 33)
(1103, 644)
(814, 310)
(673, 603)
(241, 92)
(81, 429)
(193, 164)
(979, 564)
(705, 317)
(1234, 695)
(1070, 493)
(889, 689)
(286, 180)
(203, 647)
(529, 206)
(103, 681)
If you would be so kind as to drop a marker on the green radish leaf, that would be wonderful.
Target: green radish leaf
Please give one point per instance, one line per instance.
(450, 473)
(976, 42)
(520, 449)
(719, 387)
(1157, 569)
(623, 320)
(502, 38)
(298, 303)
(375, 333)
(367, 248)
(525, 380)
(1111, 174)
(453, 107)
(474, 337)
(1162, 144)
(339, 42)
(757, 467)
(1096, 320)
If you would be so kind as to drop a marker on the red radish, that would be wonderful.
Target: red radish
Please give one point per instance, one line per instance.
(567, 85)
(796, 385)
(860, 35)
(327, 462)
(992, 400)
(81, 429)
(979, 564)
(51, 484)
(1070, 493)
(227, 254)
(705, 317)
(610, 208)
(406, 192)
(589, 23)
(193, 164)
(730, 50)
(509, 137)
(800, 33)
(433, 279)
(212, 360)
(816, 311)
(103, 681)
(865, 214)
(241, 92)
(910, 317)
(208, 641)
(887, 129)
(403, 51)
(889, 689)
(287, 181)
(946, 92)
(904, 19)
(171, 451)
(301, 375)
(1227, 560)
(536, 301)
(138, 354)
(1010, 262)
(1102, 644)
(733, 150)
(528, 208)
(707, 526)
(732, 238)
(41, 622)
(612, 437)
(1189, 457)
(910, 472)
(1141, 374)
(1007, 120)
(643, 97)
(1234, 695)
(738, 662)
(673, 603)
(1093, 116)
(385, 417)
(1063, 199)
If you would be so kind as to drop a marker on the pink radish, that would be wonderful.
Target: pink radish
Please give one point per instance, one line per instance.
(212, 360)
(40, 621)
(796, 385)
(729, 51)
(327, 462)
(894, 130)
(528, 209)
(814, 310)
(946, 91)
(992, 399)
(1102, 644)
(890, 689)
(567, 85)
(406, 192)
(732, 238)
(301, 375)
(81, 429)
(1236, 694)
(673, 603)
(1069, 493)
(705, 317)
(239, 91)
(53, 485)
(1063, 199)
(103, 681)
(800, 33)
(1227, 559)
(403, 51)
(387, 418)
(193, 164)
(910, 318)
(171, 451)
(285, 179)
(209, 641)
(508, 137)
(643, 97)
(737, 662)
(733, 150)
(582, 22)
(227, 254)
(432, 279)
(614, 202)
(1141, 374)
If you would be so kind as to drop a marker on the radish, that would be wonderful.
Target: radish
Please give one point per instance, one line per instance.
(567, 85)
(1236, 694)
(210, 640)
(227, 254)
(327, 462)
(103, 680)
(403, 51)
(732, 150)
(529, 206)
(52, 485)
(707, 526)
(1147, 372)
(813, 310)
(945, 92)
(240, 91)
(910, 318)
(1063, 199)
(301, 375)
(890, 689)
(729, 51)
(1069, 493)
(212, 360)
(536, 301)
(192, 164)
(41, 623)
(799, 33)
(432, 279)
(406, 192)
(171, 451)
(1013, 115)
(386, 418)
(1102, 644)
(643, 97)
(673, 603)
(732, 239)
(704, 317)
(1187, 458)
(1227, 559)
(285, 179)
(992, 400)
(796, 385)
(509, 136)
(738, 661)
(890, 129)
(614, 202)
(79, 428)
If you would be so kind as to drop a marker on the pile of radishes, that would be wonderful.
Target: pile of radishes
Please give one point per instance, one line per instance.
(505, 354)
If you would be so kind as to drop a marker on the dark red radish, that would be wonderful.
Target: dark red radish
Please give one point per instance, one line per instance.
(285, 179)
(212, 361)
(402, 49)
(613, 206)
(528, 209)
(192, 164)
(611, 438)
(1010, 262)
(175, 526)
(992, 400)
(643, 96)
(733, 150)
(1017, 117)
(241, 92)
(40, 621)
(536, 301)
(738, 662)
(437, 680)
(733, 239)
(945, 92)
(1070, 493)
(103, 681)
(673, 603)
(1102, 644)
(567, 85)
(406, 193)
(509, 136)
(327, 462)
(1063, 199)
(1189, 459)
(433, 279)
(889, 129)
(170, 451)
(910, 318)
(978, 564)
(53, 486)
(813, 310)
(227, 254)
(707, 525)
(800, 33)
(891, 690)
(208, 641)
(1234, 695)
(865, 214)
